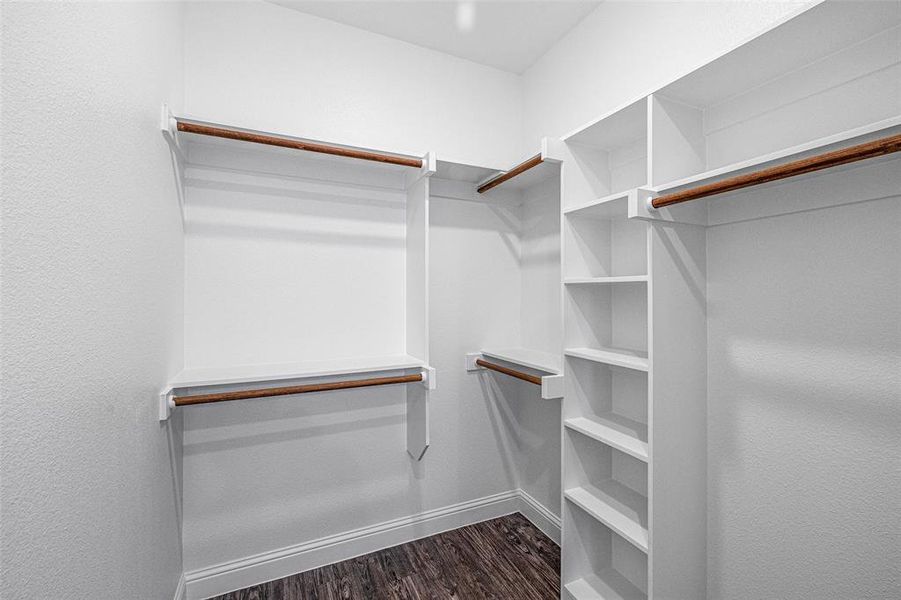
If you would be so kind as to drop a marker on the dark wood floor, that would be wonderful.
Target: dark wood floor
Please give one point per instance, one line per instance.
(505, 559)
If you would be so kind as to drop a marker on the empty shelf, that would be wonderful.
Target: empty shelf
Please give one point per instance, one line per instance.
(619, 357)
(533, 359)
(608, 584)
(208, 376)
(606, 280)
(618, 432)
(609, 207)
(620, 508)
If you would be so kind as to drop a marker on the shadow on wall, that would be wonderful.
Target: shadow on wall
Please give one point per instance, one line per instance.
(224, 427)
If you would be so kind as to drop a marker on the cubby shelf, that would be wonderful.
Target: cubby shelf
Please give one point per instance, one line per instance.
(621, 509)
(607, 584)
(606, 207)
(617, 432)
(606, 280)
(619, 357)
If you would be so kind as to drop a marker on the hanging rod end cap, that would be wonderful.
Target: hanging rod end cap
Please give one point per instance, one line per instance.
(649, 203)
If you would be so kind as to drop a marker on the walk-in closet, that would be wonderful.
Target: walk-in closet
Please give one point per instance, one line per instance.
(588, 300)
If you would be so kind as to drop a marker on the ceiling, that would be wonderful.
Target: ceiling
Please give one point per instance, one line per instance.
(507, 35)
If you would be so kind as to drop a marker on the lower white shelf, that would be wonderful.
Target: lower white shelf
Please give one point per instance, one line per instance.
(618, 432)
(623, 510)
(608, 584)
(619, 357)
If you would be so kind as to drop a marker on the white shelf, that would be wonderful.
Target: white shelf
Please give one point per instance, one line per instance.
(608, 584)
(605, 280)
(617, 432)
(621, 509)
(209, 376)
(824, 144)
(526, 357)
(607, 207)
(629, 359)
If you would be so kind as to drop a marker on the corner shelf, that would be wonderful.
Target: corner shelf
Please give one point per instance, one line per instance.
(535, 363)
(618, 357)
(617, 432)
(621, 509)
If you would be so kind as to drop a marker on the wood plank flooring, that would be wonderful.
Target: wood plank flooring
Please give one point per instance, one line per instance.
(503, 559)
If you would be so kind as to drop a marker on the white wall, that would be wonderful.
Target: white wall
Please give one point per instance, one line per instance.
(91, 297)
(804, 356)
(265, 475)
(625, 50)
(276, 69)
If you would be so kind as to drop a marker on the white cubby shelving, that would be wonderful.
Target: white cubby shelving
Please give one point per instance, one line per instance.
(283, 238)
(634, 278)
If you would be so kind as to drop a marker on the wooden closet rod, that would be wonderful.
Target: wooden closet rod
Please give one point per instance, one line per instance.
(519, 375)
(844, 156)
(518, 169)
(296, 389)
(270, 140)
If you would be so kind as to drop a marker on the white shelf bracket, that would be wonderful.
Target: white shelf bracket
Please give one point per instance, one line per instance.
(167, 403)
(429, 380)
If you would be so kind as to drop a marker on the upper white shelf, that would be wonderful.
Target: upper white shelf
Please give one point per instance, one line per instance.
(526, 357)
(825, 144)
(243, 374)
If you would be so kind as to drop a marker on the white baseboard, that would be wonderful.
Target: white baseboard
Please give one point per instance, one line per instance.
(252, 570)
(180, 589)
(540, 516)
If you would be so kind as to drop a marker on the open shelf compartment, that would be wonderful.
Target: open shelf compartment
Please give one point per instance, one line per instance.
(604, 245)
(608, 156)
(610, 485)
(600, 565)
(608, 404)
(778, 94)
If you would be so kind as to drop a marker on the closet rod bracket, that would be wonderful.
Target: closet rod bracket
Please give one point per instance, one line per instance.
(167, 403)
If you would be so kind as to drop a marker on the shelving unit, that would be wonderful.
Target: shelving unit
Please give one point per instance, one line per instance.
(283, 238)
(634, 277)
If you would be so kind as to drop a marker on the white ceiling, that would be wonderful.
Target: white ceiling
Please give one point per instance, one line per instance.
(509, 35)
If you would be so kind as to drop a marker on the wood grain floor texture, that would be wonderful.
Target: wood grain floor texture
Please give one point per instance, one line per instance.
(503, 559)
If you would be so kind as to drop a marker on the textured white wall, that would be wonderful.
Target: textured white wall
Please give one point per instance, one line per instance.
(804, 388)
(91, 301)
(276, 69)
(624, 50)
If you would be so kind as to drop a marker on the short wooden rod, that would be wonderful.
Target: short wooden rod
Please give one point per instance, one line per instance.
(270, 140)
(827, 160)
(519, 375)
(517, 170)
(296, 389)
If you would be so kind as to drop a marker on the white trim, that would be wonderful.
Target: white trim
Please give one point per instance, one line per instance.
(180, 589)
(252, 570)
(540, 516)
